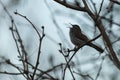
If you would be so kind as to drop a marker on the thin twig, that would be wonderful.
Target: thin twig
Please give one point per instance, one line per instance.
(99, 69)
(66, 61)
(29, 22)
(39, 52)
(20, 70)
(114, 1)
(11, 73)
(94, 6)
(109, 20)
(100, 7)
(84, 76)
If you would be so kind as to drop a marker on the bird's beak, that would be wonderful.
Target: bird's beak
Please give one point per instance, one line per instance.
(68, 27)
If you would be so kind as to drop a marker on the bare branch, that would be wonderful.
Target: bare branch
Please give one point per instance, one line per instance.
(114, 1)
(70, 5)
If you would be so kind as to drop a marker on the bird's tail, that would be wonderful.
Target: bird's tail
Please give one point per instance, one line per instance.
(96, 47)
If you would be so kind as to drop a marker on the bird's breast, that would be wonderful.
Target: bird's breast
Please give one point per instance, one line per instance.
(75, 40)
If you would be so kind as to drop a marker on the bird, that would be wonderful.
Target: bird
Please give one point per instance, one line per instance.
(78, 38)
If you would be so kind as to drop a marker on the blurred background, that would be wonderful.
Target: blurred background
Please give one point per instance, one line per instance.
(56, 19)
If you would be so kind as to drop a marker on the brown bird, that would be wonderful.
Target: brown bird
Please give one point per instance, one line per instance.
(78, 38)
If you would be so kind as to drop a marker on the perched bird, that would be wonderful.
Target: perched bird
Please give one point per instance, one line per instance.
(78, 38)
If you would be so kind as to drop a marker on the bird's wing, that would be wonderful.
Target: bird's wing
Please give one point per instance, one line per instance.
(82, 37)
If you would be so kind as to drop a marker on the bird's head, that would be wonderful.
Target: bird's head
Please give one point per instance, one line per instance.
(75, 27)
